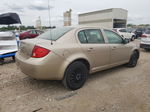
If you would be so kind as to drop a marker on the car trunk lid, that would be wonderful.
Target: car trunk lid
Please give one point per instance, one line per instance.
(27, 46)
(146, 40)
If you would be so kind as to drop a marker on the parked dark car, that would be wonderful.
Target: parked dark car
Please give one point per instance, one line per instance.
(139, 31)
(30, 34)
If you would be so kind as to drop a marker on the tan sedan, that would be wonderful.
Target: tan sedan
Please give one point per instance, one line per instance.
(71, 53)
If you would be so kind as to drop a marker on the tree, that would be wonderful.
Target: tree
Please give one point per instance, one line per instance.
(10, 28)
(130, 25)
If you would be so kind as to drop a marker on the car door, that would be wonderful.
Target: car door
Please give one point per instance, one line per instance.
(93, 45)
(120, 52)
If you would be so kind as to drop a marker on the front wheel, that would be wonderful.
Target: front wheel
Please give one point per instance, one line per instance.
(13, 57)
(75, 75)
(133, 60)
(146, 49)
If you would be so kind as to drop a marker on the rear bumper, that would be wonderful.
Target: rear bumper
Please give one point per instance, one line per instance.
(47, 68)
(145, 46)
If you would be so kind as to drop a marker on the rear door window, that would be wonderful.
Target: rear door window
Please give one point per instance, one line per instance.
(91, 36)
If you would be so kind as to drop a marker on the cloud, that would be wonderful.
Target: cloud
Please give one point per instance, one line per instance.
(39, 8)
(39, 5)
(15, 7)
(32, 9)
(135, 19)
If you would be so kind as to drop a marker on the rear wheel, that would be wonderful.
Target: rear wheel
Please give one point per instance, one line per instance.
(13, 57)
(75, 75)
(1, 61)
(133, 60)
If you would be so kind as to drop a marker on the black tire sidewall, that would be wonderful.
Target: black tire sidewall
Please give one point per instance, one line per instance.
(74, 66)
(1, 61)
(132, 59)
(133, 38)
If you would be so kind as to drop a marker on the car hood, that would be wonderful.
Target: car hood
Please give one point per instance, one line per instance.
(126, 35)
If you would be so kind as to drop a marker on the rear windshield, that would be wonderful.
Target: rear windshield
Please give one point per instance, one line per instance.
(54, 34)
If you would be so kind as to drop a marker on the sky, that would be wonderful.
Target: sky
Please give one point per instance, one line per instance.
(30, 10)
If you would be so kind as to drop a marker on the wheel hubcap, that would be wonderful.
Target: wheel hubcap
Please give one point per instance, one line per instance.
(76, 76)
(135, 58)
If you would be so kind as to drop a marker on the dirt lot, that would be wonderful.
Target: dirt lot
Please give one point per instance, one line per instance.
(120, 89)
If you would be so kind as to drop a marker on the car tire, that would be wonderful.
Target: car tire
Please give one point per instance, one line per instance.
(133, 59)
(13, 57)
(132, 38)
(26, 37)
(146, 49)
(1, 61)
(75, 75)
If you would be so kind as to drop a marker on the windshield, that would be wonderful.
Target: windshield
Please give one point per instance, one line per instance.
(55, 34)
(130, 30)
(123, 30)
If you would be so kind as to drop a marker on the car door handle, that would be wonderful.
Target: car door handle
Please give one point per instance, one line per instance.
(89, 49)
(113, 48)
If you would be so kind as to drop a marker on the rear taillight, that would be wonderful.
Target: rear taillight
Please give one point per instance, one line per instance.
(39, 52)
(143, 36)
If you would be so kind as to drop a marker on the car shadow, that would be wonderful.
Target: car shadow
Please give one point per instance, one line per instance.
(6, 61)
(43, 84)
(50, 86)
(105, 73)
(145, 50)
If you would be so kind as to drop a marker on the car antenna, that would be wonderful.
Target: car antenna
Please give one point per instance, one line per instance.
(49, 13)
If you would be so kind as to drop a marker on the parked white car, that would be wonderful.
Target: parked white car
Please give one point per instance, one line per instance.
(145, 40)
(146, 34)
(8, 45)
(124, 33)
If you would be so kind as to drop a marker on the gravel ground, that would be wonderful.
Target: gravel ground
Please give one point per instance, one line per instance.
(120, 89)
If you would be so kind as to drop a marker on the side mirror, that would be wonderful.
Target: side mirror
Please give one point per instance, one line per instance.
(126, 41)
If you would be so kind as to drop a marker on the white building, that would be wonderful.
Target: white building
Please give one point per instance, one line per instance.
(67, 18)
(109, 18)
(38, 23)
